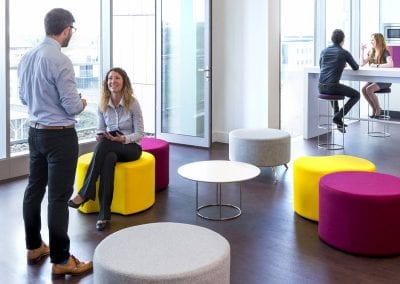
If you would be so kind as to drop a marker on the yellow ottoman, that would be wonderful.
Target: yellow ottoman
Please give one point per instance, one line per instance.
(307, 172)
(134, 185)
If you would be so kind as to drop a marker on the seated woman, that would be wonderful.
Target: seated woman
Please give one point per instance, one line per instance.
(120, 127)
(378, 57)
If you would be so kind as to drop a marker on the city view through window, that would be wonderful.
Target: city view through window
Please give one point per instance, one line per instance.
(27, 31)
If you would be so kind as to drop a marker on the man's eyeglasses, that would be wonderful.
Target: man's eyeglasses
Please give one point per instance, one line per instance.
(73, 29)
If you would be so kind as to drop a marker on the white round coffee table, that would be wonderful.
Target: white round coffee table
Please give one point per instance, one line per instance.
(219, 172)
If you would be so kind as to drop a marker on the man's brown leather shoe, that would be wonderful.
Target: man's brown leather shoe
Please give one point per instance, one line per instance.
(34, 256)
(73, 267)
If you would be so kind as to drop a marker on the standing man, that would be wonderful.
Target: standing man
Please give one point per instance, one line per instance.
(332, 61)
(47, 86)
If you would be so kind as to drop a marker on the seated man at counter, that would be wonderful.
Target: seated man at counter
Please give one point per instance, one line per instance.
(332, 61)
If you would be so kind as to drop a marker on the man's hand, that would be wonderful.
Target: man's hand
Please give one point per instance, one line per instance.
(84, 102)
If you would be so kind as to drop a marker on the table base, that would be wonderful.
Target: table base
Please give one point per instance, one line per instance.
(219, 205)
(220, 218)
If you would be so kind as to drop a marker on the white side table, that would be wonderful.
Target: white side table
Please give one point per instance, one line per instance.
(219, 172)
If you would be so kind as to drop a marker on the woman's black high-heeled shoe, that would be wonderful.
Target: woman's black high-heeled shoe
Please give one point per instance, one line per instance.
(75, 205)
(101, 225)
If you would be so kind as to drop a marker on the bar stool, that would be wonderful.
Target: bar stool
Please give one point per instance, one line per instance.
(384, 116)
(329, 143)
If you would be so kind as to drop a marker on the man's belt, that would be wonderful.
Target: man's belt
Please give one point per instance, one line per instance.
(41, 126)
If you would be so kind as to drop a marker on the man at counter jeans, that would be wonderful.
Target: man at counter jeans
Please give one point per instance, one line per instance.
(47, 86)
(378, 57)
(332, 61)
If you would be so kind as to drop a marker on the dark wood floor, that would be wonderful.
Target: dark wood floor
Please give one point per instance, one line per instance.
(269, 242)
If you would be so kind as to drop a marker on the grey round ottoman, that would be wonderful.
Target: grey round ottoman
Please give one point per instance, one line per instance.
(262, 147)
(162, 253)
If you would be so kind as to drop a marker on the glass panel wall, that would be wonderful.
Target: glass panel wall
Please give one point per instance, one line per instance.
(338, 17)
(26, 30)
(297, 51)
(3, 83)
(133, 38)
(369, 24)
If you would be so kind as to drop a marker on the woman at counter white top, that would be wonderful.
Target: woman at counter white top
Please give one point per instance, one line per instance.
(378, 57)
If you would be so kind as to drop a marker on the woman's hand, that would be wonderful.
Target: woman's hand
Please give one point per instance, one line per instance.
(118, 138)
(363, 59)
(363, 46)
(99, 136)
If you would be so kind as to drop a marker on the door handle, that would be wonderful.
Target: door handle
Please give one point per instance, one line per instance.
(207, 72)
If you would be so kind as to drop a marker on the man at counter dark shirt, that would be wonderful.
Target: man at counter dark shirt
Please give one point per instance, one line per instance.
(332, 61)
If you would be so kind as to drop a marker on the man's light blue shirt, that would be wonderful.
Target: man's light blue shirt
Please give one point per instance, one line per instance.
(47, 85)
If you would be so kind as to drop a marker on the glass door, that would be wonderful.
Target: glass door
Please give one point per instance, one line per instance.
(183, 72)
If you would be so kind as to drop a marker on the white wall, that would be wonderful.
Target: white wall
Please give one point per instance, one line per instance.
(390, 14)
(239, 61)
(389, 11)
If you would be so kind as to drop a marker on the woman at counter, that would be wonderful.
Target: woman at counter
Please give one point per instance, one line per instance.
(378, 57)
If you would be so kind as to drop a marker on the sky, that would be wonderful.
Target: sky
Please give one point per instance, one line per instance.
(27, 23)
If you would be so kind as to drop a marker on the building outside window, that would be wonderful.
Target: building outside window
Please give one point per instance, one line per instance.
(26, 30)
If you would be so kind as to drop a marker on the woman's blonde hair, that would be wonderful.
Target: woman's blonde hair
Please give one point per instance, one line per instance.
(380, 45)
(127, 91)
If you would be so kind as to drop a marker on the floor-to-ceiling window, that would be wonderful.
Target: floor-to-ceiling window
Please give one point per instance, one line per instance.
(338, 16)
(357, 18)
(133, 37)
(3, 83)
(369, 24)
(297, 52)
(26, 30)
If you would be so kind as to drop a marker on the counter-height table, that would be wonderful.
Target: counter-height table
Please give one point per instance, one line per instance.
(364, 74)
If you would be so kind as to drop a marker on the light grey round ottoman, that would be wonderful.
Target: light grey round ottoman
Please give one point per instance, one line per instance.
(162, 253)
(262, 147)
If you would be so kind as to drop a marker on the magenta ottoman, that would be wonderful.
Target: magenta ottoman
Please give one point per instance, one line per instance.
(160, 150)
(359, 212)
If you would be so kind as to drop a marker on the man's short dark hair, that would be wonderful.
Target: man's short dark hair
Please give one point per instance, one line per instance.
(337, 36)
(57, 20)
